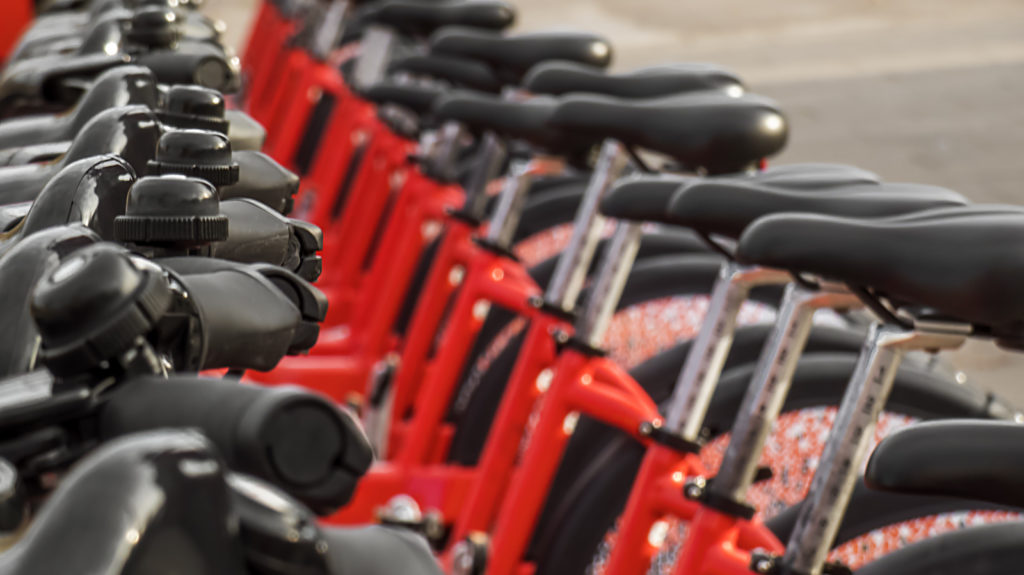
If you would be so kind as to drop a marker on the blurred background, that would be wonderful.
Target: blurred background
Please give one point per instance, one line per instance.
(928, 91)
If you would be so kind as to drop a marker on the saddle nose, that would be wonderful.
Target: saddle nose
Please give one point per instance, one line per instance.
(964, 264)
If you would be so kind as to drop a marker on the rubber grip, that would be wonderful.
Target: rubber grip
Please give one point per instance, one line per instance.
(288, 436)
(378, 549)
(262, 179)
(256, 233)
(246, 322)
(245, 132)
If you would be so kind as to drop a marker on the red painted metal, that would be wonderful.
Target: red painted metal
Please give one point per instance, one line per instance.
(17, 16)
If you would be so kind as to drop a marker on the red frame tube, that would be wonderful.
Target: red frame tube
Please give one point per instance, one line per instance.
(497, 492)
(267, 52)
(18, 14)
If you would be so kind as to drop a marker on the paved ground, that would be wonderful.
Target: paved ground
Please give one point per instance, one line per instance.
(916, 90)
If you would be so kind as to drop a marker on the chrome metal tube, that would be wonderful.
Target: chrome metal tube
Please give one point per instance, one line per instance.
(487, 166)
(700, 373)
(329, 30)
(374, 54)
(611, 279)
(770, 384)
(571, 270)
(849, 440)
(502, 227)
(443, 156)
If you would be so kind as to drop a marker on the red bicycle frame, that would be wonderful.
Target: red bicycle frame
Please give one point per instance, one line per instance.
(597, 387)
(18, 15)
(582, 383)
(264, 56)
(422, 205)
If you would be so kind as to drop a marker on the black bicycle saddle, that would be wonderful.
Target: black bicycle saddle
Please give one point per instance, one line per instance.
(417, 98)
(414, 18)
(726, 208)
(972, 459)
(647, 197)
(559, 78)
(960, 264)
(708, 130)
(524, 119)
(511, 57)
(117, 87)
(459, 71)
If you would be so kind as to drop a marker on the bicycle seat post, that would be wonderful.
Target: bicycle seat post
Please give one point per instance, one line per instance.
(329, 30)
(852, 434)
(487, 166)
(704, 362)
(443, 151)
(611, 279)
(511, 200)
(770, 384)
(374, 54)
(571, 270)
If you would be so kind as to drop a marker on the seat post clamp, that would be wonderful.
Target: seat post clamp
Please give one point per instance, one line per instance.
(700, 489)
(495, 248)
(576, 344)
(539, 303)
(658, 434)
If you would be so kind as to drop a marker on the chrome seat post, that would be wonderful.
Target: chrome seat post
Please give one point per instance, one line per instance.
(487, 166)
(771, 382)
(442, 151)
(374, 54)
(607, 288)
(699, 376)
(851, 436)
(502, 227)
(329, 30)
(571, 269)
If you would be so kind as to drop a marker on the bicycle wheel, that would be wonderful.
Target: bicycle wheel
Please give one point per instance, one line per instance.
(577, 531)
(984, 550)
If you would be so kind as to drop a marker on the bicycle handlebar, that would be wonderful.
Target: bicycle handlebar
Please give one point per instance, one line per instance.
(247, 322)
(136, 489)
(288, 436)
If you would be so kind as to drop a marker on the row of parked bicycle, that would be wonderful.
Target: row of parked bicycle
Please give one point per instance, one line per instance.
(564, 321)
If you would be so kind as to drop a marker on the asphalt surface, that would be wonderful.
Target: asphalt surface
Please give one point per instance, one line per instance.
(925, 91)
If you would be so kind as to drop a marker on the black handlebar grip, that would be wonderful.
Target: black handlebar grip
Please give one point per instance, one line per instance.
(378, 549)
(262, 179)
(258, 234)
(246, 134)
(288, 436)
(246, 321)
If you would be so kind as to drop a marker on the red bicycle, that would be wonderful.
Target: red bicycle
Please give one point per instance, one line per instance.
(18, 14)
